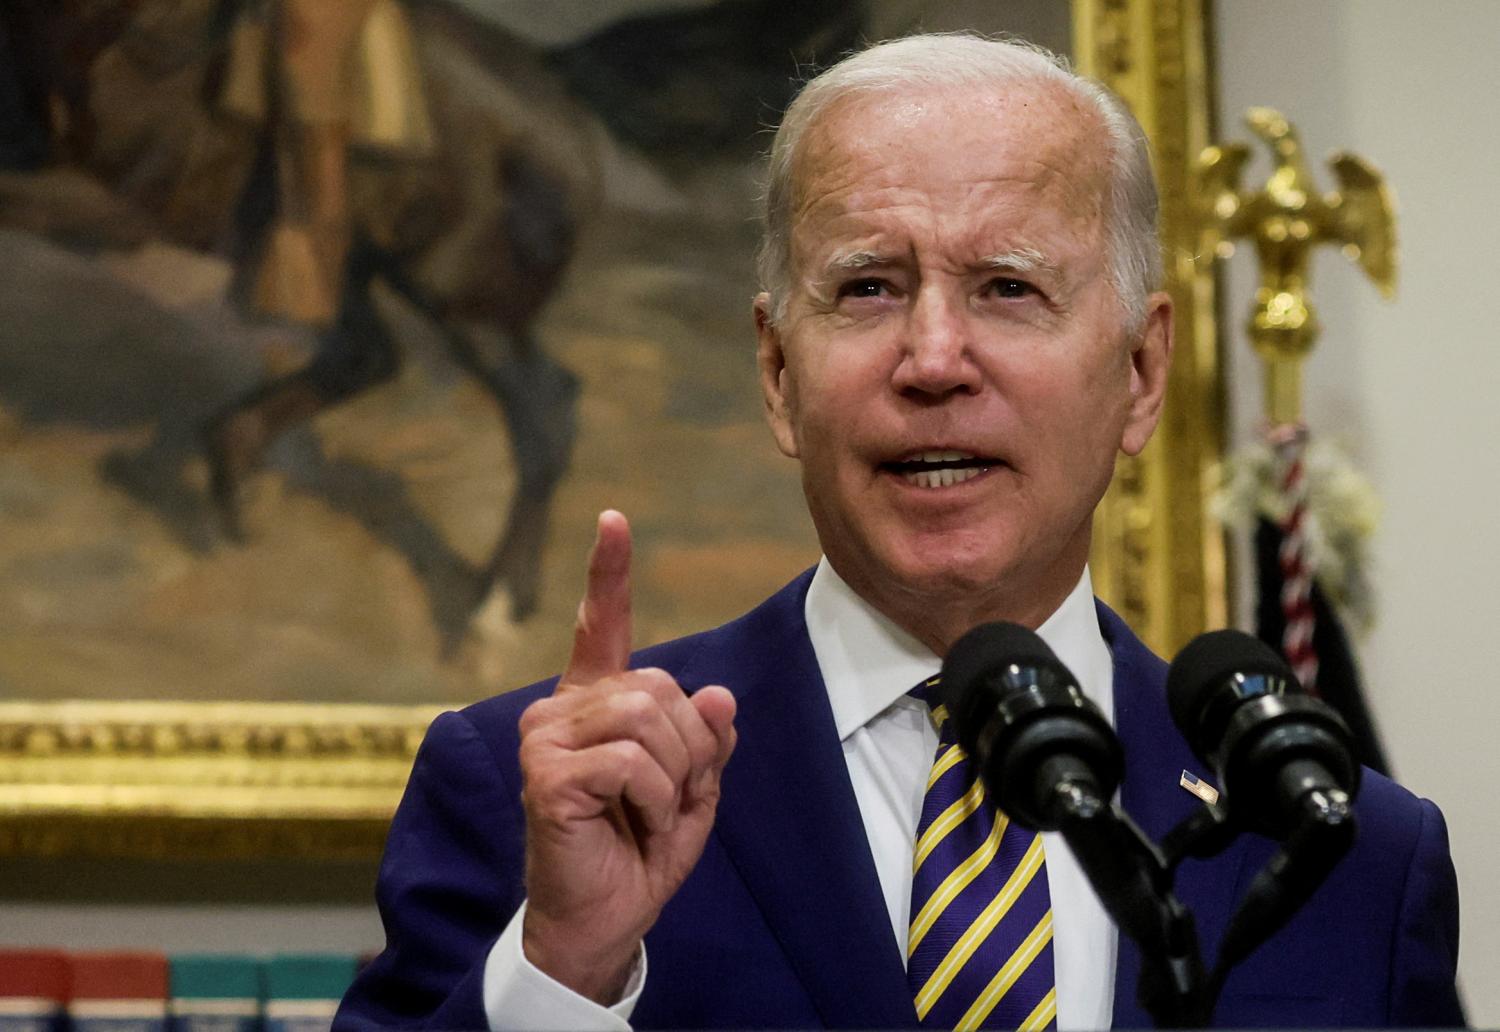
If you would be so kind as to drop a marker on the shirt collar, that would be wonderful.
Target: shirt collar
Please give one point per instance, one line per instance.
(868, 663)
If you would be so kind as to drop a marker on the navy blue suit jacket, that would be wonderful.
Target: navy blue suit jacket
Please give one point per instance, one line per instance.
(782, 924)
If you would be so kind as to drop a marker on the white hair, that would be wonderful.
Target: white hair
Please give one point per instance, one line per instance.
(966, 59)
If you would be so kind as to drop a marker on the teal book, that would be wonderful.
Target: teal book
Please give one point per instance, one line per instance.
(215, 993)
(302, 991)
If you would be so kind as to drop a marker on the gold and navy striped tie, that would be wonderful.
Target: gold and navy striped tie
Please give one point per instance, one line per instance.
(979, 948)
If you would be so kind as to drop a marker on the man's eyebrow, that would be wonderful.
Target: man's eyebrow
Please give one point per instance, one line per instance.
(1022, 259)
(853, 261)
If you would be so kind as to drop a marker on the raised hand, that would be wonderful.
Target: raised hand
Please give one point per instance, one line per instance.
(621, 776)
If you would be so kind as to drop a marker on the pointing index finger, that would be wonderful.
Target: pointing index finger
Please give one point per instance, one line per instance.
(601, 636)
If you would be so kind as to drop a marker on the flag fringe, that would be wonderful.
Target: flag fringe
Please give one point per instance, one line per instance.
(1341, 515)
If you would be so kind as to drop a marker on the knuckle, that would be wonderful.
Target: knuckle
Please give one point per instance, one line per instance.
(633, 705)
(632, 756)
(534, 716)
(636, 754)
(658, 681)
(616, 682)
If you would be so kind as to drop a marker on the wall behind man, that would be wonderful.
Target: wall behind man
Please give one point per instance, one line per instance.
(1407, 385)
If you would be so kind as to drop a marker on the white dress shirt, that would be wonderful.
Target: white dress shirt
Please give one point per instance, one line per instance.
(868, 665)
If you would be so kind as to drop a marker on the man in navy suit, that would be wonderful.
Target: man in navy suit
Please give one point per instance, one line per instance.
(959, 330)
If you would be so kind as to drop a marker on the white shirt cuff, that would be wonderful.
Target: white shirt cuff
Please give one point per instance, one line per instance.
(518, 997)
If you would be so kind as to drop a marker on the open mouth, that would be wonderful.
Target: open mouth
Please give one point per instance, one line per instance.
(934, 469)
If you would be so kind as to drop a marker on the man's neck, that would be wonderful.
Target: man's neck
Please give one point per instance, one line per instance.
(867, 661)
(939, 618)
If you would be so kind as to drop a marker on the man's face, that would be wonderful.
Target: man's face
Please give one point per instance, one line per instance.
(953, 369)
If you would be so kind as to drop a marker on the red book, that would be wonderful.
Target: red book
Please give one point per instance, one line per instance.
(119, 992)
(33, 989)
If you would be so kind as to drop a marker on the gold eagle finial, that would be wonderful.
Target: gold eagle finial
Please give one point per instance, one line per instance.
(1287, 218)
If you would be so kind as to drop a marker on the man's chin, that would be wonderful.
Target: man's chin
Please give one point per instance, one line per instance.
(938, 567)
(953, 577)
(957, 583)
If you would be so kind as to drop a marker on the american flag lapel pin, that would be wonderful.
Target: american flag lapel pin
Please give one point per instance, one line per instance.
(1200, 788)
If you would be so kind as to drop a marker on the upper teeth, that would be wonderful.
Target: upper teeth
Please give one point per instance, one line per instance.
(941, 456)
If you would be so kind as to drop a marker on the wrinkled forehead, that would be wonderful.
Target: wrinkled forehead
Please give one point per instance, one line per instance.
(951, 137)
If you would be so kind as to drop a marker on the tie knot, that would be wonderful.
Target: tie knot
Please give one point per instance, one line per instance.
(930, 692)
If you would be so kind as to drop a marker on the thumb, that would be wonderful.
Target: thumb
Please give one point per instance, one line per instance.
(717, 707)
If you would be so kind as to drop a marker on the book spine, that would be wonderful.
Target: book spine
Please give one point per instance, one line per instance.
(300, 1015)
(117, 1016)
(215, 1016)
(37, 1023)
(22, 1014)
(33, 987)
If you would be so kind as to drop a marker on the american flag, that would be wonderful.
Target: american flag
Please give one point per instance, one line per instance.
(1200, 788)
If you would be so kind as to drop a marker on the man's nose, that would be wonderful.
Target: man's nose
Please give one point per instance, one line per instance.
(937, 358)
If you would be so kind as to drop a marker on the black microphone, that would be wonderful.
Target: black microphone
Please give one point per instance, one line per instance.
(1045, 751)
(1052, 763)
(1282, 757)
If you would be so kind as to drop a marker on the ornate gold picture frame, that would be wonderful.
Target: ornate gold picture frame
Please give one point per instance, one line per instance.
(1157, 557)
(261, 779)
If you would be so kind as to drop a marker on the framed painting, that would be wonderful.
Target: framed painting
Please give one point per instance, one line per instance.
(311, 388)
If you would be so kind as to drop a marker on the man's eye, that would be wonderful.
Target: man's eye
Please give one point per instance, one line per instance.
(863, 288)
(1005, 286)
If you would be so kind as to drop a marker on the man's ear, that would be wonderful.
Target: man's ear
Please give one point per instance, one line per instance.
(1150, 361)
(775, 381)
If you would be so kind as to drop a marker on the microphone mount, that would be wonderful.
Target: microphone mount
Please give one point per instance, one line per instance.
(1133, 879)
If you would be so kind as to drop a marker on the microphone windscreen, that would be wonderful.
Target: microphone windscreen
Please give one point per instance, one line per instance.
(1206, 663)
(987, 649)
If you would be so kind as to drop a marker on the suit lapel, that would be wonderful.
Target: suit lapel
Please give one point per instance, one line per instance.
(1155, 757)
(789, 822)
